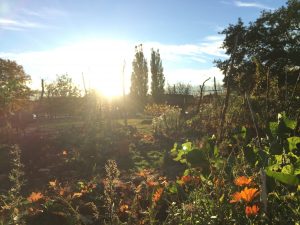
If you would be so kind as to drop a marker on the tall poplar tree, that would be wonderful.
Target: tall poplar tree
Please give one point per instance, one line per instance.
(157, 75)
(139, 76)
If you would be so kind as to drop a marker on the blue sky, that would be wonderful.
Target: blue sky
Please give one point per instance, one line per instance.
(94, 37)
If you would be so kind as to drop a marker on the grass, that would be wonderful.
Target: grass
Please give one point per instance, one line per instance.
(142, 125)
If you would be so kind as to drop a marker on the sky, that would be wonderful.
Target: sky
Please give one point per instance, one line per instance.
(96, 38)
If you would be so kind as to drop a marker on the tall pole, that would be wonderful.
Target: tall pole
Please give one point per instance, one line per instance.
(83, 81)
(43, 89)
(124, 96)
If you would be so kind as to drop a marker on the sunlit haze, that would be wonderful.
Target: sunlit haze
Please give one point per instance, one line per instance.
(93, 40)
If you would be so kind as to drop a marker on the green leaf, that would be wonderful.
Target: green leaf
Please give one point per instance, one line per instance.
(288, 122)
(288, 169)
(179, 156)
(273, 128)
(187, 146)
(284, 178)
(276, 148)
(293, 142)
(244, 132)
(216, 151)
(173, 189)
(249, 154)
(197, 158)
(297, 167)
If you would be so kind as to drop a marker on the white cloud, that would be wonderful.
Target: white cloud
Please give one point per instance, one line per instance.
(44, 12)
(194, 77)
(101, 61)
(6, 23)
(252, 4)
(24, 18)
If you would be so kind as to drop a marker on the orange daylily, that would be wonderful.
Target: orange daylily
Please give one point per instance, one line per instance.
(157, 194)
(35, 196)
(241, 181)
(251, 210)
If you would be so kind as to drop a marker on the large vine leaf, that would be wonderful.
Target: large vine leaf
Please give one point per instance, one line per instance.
(276, 148)
(283, 177)
(293, 142)
(197, 158)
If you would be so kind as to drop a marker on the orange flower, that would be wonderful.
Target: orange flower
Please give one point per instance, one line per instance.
(77, 195)
(241, 181)
(123, 208)
(251, 210)
(53, 183)
(61, 192)
(143, 173)
(186, 179)
(65, 152)
(249, 194)
(219, 182)
(35, 196)
(152, 183)
(157, 194)
(236, 197)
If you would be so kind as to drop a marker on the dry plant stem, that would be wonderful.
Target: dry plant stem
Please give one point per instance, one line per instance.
(201, 95)
(124, 95)
(75, 213)
(293, 93)
(253, 120)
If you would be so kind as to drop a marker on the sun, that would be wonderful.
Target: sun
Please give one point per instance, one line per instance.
(104, 61)
(110, 88)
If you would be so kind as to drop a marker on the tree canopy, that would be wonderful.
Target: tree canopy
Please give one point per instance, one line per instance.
(139, 76)
(271, 42)
(62, 87)
(157, 75)
(13, 87)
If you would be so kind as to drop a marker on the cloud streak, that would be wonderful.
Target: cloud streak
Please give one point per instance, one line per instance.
(11, 24)
(44, 12)
(26, 18)
(252, 5)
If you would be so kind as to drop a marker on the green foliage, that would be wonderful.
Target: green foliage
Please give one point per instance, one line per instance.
(179, 89)
(269, 40)
(157, 76)
(62, 87)
(12, 205)
(169, 123)
(139, 76)
(192, 156)
(14, 91)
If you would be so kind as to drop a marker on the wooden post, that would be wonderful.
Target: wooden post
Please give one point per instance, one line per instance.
(43, 89)
(215, 87)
